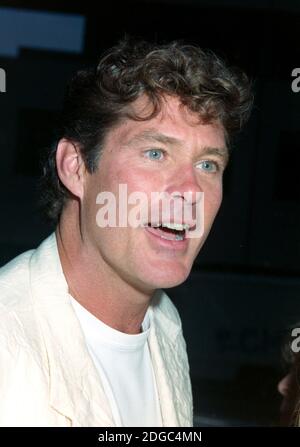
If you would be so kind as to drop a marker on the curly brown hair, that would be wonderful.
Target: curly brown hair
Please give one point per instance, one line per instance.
(97, 99)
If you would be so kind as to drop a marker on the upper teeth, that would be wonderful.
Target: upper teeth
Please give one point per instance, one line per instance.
(176, 226)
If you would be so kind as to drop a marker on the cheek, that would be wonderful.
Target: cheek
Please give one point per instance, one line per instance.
(136, 178)
(212, 201)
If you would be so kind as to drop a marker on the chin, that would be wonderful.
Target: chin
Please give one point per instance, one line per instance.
(168, 279)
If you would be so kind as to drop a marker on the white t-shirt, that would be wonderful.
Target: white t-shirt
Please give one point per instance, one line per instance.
(124, 364)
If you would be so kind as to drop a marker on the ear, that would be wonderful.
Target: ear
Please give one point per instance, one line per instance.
(70, 166)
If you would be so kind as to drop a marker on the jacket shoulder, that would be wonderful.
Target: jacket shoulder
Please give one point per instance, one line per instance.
(14, 280)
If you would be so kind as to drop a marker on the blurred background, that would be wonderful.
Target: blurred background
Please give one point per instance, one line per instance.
(244, 290)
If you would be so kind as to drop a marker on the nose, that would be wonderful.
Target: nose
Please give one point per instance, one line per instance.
(185, 184)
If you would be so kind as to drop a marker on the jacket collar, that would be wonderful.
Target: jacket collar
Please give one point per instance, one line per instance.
(75, 388)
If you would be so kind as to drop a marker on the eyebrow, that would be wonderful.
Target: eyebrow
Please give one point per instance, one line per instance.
(150, 135)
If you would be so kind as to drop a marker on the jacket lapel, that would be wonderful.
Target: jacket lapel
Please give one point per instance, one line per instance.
(170, 363)
(75, 388)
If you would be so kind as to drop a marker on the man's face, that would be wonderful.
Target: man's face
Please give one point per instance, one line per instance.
(168, 153)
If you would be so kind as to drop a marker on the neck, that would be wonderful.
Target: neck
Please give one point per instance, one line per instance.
(94, 284)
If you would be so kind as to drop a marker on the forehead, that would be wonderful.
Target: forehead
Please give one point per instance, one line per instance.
(174, 120)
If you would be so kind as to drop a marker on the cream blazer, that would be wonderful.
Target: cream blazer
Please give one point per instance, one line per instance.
(47, 377)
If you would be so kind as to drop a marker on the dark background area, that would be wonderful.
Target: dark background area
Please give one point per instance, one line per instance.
(244, 290)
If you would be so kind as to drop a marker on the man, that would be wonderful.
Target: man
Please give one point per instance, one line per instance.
(88, 338)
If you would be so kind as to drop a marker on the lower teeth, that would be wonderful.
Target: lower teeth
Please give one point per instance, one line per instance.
(178, 237)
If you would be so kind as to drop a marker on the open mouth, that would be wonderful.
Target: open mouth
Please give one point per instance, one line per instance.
(171, 232)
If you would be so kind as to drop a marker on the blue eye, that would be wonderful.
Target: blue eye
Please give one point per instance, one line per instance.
(209, 166)
(155, 154)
